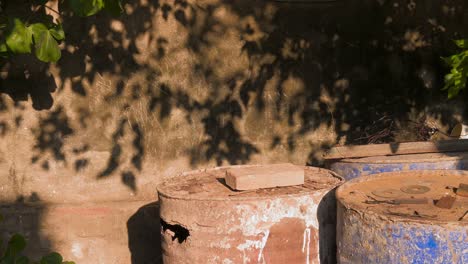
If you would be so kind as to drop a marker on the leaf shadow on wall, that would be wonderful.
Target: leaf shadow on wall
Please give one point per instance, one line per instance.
(340, 65)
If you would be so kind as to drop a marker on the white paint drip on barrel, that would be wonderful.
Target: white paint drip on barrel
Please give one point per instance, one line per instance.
(76, 250)
(224, 243)
(258, 244)
(255, 223)
(249, 244)
(306, 241)
(264, 240)
(245, 258)
(251, 225)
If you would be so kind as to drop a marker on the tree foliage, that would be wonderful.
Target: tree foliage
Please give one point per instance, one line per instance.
(38, 33)
(456, 79)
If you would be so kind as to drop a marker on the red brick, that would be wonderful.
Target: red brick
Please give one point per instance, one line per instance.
(264, 176)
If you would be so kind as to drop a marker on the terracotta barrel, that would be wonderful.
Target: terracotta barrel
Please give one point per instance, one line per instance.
(204, 221)
(403, 217)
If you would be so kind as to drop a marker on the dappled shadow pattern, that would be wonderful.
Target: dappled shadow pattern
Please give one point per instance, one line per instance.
(225, 81)
(128, 177)
(223, 141)
(50, 135)
(344, 66)
(36, 87)
(356, 64)
(113, 162)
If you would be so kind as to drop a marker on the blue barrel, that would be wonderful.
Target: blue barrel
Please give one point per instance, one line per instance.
(352, 168)
(403, 217)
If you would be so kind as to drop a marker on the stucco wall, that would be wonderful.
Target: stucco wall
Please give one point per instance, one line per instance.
(176, 85)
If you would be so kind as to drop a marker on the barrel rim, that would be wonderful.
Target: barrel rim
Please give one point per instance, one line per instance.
(406, 158)
(341, 201)
(165, 194)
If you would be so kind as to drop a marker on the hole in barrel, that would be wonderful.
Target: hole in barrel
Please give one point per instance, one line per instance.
(177, 231)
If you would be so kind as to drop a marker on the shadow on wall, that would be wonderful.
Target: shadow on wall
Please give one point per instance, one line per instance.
(144, 235)
(223, 81)
(24, 217)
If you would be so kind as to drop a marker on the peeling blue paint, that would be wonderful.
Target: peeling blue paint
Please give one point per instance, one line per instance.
(350, 170)
(375, 240)
(365, 241)
(377, 168)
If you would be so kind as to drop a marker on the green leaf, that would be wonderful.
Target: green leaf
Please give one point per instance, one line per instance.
(18, 38)
(16, 244)
(456, 80)
(52, 258)
(452, 92)
(462, 43)
(46, 47)
(68, 262)
(447, 60)
(86, 7)
(37, 30)
(57, 32)
(114, 7)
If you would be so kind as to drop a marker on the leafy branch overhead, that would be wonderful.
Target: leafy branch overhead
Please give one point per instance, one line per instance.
(455, 81)
(43, 37)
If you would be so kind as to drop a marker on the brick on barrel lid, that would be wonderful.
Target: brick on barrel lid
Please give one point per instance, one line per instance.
(265, 176)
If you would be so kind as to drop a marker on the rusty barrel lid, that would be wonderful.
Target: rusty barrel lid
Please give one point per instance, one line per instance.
(209, 184)
(410, 158)
(421, 196)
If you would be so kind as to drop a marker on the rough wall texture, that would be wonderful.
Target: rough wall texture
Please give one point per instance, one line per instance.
(173, 85)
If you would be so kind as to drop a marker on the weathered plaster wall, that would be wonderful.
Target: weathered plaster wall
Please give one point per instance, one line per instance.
(175, 85)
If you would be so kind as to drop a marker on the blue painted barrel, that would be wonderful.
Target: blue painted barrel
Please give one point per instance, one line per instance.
(399, 217)
(352, 168)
